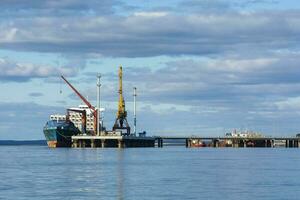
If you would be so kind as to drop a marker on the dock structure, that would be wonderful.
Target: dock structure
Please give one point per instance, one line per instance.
(121, 141)
(235, 142)
(125, 141)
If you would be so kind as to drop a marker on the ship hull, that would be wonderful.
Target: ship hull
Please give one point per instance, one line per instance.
(59, 135)
(54, 138)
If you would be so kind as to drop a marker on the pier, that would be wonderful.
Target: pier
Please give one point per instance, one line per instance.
(92, 133)
(235, 142)
(88, 141)
(121, 141)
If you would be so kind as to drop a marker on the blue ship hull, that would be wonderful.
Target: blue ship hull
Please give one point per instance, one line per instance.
(58, 133)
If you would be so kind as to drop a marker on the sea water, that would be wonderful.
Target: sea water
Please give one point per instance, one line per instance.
(37, 172)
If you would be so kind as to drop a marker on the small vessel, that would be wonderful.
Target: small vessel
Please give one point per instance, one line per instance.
(58, 132)
(197, 143)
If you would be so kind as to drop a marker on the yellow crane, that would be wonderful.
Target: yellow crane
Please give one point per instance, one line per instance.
(122, 113)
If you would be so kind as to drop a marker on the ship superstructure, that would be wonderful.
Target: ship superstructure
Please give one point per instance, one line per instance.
(76, 116)
(57, 117)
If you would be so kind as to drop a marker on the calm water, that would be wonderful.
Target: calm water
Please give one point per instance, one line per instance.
(36, 172)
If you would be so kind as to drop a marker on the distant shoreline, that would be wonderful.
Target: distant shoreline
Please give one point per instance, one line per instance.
(22, 142)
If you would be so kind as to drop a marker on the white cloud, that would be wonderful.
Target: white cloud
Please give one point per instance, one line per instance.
(155, 33)
(292, 103)
(150, 14)
(13, 71)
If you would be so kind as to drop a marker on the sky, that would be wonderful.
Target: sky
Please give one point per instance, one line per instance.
(201, 67)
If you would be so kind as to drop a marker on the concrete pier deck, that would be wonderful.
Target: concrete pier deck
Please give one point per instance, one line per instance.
(237, 142)
(121, 141)
(88, 141)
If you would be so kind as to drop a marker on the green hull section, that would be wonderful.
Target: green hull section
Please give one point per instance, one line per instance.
(59, 133)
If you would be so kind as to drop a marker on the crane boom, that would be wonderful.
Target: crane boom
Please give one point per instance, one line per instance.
(95, 113)
(78, 94)
(121, 106)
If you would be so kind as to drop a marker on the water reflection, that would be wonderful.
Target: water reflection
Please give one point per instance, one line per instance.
(120, 174)
(168, 173)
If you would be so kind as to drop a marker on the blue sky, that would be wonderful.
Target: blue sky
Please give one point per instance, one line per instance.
(202, 67)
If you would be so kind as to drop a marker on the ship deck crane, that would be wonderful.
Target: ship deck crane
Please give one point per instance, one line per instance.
(95, 113)
(121, 122)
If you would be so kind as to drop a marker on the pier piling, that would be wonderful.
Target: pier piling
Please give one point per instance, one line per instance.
(93, 145)
(102, 143)
(216, 143)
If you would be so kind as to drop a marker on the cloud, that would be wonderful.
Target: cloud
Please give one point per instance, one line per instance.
(209, 6)
(27, 117)
(204, 5)
(156, 34)
(59, 8)
(36, 94)
(240, 90)
(22, 72)
(245, 3)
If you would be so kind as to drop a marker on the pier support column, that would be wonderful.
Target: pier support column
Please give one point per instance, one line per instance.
(93, 143)
(216, 143)
(272, 143)
(294, 143)
(102, 143)
(74, 143)
(266, 143)
(187, 143)
(245, 143)
(235, 143)
(121, 144)
(159, 142)
(287, 143)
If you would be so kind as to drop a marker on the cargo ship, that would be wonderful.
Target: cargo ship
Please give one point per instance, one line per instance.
(58, 132)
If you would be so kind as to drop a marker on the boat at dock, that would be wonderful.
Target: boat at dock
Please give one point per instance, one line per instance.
(197, 143)
(59, 132)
